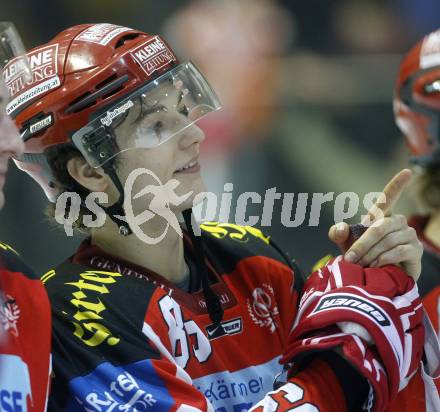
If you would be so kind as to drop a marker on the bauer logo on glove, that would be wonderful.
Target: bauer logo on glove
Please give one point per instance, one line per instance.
(354, 303)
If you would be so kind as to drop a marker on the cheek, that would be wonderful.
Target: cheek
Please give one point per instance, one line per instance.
(145, 167)
(156, 163)
(160, 160)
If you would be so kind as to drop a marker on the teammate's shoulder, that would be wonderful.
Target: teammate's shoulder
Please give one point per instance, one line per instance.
(11, 260)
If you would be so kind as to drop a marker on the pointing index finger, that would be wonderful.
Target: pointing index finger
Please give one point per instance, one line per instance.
(389, 197)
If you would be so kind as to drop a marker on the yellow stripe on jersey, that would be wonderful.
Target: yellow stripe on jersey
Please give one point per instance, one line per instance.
(321, 262)
(235, 232)
(48, 275)
(5, 246)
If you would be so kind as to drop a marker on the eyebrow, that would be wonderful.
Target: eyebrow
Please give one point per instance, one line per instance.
(154, 109)
(145, 112)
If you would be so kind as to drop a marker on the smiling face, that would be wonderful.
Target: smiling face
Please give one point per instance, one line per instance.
(153, 140)
(162, 120)
(10, 141)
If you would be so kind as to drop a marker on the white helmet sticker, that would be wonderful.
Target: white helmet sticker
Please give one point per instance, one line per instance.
(41, 124)
(101, 34)
(111, 114)
(153, 55)
(44, 65)
(430, 51)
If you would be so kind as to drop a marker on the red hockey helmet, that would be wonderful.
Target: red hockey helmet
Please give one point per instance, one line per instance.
(88, 77)
(417, 100)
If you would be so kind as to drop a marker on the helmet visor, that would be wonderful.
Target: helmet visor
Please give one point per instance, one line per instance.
(13, 60)
(149, 116)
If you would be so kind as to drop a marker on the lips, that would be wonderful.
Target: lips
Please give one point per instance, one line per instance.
(190, 167)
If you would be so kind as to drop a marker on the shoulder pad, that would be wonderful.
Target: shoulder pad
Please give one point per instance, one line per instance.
(227, 244)
(238, 242)
(11, 260)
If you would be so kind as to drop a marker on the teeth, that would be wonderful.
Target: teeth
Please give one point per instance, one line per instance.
(187, 166)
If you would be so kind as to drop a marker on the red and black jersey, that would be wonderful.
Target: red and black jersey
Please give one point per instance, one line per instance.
(126, 339)
(25, 325)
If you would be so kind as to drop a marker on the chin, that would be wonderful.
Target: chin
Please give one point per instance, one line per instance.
(196, 187)
(197, 196)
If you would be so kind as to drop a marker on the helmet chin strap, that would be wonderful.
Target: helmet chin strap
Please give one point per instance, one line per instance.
(116, 211)
(213, 303)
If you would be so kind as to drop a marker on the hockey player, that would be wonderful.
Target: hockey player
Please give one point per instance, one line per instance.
(25, 321)
(417, 113)
(192, 323)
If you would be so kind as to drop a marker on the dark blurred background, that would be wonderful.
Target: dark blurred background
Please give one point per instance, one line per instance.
(307, 89)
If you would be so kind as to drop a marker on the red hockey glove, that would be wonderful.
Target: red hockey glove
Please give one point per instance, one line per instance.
(383, 301)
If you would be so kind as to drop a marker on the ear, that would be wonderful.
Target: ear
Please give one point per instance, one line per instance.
(91, 178)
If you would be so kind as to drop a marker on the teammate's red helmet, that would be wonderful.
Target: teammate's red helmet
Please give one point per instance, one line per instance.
(85, 77)
(417, 100)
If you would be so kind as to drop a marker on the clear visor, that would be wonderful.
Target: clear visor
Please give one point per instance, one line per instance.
(148, 117)
(13, 59)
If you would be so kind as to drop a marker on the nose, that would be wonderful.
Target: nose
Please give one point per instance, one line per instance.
(10, 141)
(192, 134)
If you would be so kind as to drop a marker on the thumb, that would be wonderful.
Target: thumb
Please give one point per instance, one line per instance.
(339, 234)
